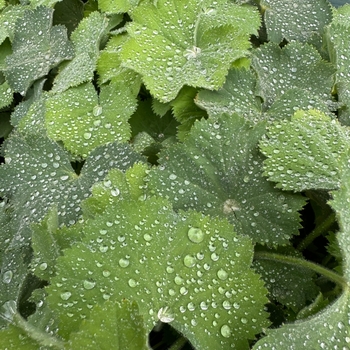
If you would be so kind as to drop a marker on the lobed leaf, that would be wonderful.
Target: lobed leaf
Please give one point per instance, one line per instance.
(8, 18)
(185, 269)
(116, 323)
(37, 47)
(86, 40)
(83, 120)
(176, 44)
(117, 6)
(296, 65)
(308, 152)
(6, 95)
(218, 171)
(295, 20)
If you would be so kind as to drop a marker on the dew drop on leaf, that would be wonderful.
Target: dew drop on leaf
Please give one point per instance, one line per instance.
(7, 276)
(195, 235)
(165, 315)
(89, 284)
(66, 295)
(189, 261)
(225, 331)
(124, 262)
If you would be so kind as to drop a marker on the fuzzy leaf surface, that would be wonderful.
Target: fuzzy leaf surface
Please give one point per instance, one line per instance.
(163, 259)
(83, 120)
(218, 171)
(308, 152)
(116, 323)
(295, 20)
(296, 65)
(176, 43)
(37, 47)
(86, 40)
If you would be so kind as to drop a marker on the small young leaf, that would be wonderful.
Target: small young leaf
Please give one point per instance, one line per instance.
(218, 171)
(171, 50)
(86, 39)
(6, 95)
(83, 120)
(308, 152)
(295, 20)
(111, 323)
(37, 47)
(185, 269)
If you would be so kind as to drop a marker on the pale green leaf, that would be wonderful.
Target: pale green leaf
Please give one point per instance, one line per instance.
(8, 18)
(111, 323)
(295, 20)
(5, 50)
(310, 151)
(296, 65)
(117, 6)
(185, 269)
(173, 44)
(5, 125)
(83, 120)
(37, 47)
(6, 95)
(86, 40)
(46, 3)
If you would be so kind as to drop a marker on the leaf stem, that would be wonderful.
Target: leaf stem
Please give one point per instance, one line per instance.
(41, 337)
(178, 344)
(331, 275)
(324, 226)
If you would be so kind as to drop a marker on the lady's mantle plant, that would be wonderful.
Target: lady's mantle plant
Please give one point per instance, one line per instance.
(158, 156)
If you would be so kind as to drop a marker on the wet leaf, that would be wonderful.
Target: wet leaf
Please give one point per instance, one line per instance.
(37, 47)
(218, 171)
(294, 66)
(170, 50)
(143, 248)
(8, 18)
(308, 152)
(6, 95)
(111, 323)
(83, 120)
(295, 20)
(117, 6)
(86, 40)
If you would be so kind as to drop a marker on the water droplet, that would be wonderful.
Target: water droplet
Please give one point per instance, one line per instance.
(7, 276)
(106, 273)
(165, 315)
(172, 176)
(89, 284)
(97, 110)
(66, 295)
(132, 283)
(115, 192)
(43, 266)
(87, 135)
(225, 331)
(195, 235)
(244, 320)
(189, 260)
(226, 305)
(124, 262)
(147, 237)
(178, 280)
(222, 274)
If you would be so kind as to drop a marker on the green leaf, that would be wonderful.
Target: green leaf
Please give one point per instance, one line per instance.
(236, 96)
(117, 6)
(5, 126)
(6, 95)
(69, 13)
(178, 267)
(296, 65)
(37, 47)
(339, 52)
(46, 3)
(308, 152)
(86, 40)
(171, 50)
(279, 277)
(111, 323)
(218, 171)
(8, 18)
(83, 120)
(295, 20)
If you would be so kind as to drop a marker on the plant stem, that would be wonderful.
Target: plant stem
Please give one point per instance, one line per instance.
(178, 344)
(324, 226)
(331, 275)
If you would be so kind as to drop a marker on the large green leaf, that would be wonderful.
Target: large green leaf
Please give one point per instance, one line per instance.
(310, 151)
(296, 65)
(8, 18)
(176, 43)
(86, 40)
(37, 47)
(185, 269)
(218, 171)
(111, 323)
(83, 120)
(295, 20)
